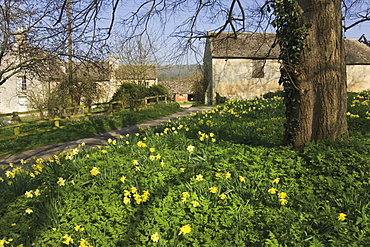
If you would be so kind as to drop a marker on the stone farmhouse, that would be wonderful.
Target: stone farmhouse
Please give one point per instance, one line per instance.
(248, 66)
(25, 83)
(32, 86)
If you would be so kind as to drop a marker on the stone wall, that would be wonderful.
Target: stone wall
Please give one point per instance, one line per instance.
(233, 79)
(358, 78)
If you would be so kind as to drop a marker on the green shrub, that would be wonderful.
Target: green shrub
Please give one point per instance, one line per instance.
(157, 90)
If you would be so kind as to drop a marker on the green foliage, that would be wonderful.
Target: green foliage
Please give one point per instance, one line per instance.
(129, 91)
(196, 182)
(157, 90)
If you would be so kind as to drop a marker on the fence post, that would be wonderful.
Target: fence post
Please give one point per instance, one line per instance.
(131, 105)
(56, 117)
(110, 109)
(15, 119)
(87, 112)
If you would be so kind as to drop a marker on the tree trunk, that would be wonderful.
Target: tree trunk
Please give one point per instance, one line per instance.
(320, 80)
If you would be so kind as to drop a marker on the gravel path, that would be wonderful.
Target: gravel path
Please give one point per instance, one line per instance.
(55, 149)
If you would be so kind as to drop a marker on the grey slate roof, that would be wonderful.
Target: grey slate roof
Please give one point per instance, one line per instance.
(258, 46)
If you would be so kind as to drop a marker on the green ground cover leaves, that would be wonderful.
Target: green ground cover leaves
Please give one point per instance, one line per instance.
(217, 178)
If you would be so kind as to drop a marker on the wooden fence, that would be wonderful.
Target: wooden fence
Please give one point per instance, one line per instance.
(81, 112)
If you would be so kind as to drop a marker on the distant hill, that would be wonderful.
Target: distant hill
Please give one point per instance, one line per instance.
(172, 72)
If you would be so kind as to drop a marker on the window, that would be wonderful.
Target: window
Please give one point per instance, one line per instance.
(258, 69)
(22, 83)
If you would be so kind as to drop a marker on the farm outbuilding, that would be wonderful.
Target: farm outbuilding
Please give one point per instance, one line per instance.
(247, 66)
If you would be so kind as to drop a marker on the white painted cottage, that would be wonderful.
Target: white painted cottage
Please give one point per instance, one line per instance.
(247, 66)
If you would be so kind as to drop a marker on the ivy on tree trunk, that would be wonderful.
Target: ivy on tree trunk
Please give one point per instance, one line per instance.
(313, 74)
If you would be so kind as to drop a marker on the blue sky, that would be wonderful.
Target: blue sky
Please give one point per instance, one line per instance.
(170, 46)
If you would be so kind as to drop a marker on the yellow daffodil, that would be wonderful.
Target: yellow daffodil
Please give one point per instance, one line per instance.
(242, 179)
(126, 193)
(61, 182)
(282, 195)
(185, 196)
(133, 190)
(84, 243)
(283, 201)
(272, 191)
(222, 196)
(141, 144)
(9, 174)
(195, 204)
(154, 237)
(3, 242)
(95, 171)
(342, 216)
(185, 230)
(79, 228)
(37, 192)
(68, 239)
(135, 162)
(29, 211)
(126, 200)
(190, 148)
(138, 198)
(152, 150)
(199, 177)
(182, 169)
(228, 175)
(213, 189)
(276, 181)
(145, 196)
(29, 194)
(123, 179)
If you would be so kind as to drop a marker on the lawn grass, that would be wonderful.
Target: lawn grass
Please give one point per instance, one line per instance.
(72, 130)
